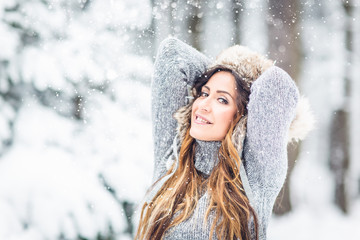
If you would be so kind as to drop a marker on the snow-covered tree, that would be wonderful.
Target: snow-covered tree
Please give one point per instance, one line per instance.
(74, 103)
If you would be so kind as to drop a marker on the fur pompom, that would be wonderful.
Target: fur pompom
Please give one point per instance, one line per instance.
(303, 122)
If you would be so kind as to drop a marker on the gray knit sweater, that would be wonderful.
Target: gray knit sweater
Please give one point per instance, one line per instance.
(271, 109)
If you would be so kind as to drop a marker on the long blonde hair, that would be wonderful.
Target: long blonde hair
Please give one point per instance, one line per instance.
(181, 192)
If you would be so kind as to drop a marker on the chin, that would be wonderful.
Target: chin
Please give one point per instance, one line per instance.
(195, 134)
(202, 137)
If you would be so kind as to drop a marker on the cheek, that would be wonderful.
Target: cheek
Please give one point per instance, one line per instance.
(226, 117)
(194, 107)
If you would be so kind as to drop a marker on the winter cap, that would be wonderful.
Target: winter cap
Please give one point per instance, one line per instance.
(249, 65)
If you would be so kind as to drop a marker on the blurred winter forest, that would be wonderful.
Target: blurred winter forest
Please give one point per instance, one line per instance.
(75, 127)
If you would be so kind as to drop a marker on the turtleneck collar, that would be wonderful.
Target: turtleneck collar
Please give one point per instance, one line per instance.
(206, 155)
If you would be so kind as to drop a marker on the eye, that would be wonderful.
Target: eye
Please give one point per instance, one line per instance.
(204, 94)
(223, 100)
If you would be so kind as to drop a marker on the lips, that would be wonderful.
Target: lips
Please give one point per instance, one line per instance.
(201, 120)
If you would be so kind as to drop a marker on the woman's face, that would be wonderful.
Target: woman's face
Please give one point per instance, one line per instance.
(213, 112)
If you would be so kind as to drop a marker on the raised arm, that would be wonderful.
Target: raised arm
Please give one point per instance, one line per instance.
(271, 109)
(176, 67)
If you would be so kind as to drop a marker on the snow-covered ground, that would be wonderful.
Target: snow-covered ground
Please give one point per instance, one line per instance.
(315, 224)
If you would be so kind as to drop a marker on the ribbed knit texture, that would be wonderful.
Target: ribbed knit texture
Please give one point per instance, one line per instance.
(206, 155)
(271, 109)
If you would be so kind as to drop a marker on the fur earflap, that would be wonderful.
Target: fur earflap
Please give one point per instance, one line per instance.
(183, 117)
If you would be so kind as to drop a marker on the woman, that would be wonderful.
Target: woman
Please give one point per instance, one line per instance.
(219, 168)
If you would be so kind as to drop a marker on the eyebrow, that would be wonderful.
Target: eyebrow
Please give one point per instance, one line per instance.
(220, 91)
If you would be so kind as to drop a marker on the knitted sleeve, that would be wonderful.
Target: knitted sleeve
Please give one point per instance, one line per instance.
(176, 67)
(271, 109)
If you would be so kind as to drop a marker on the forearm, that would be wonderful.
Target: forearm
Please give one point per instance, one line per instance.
(176, 67)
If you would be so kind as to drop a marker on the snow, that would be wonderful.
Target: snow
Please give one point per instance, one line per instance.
(253, 26)
(44, 66)
(217, 33)
(312, 224)
(52, 171)
(70, 177)
(63, 177)
(134, 13)
(41, 180)
(8, 40)
(7, 114)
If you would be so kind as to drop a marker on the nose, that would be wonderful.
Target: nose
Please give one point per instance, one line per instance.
(205, 105)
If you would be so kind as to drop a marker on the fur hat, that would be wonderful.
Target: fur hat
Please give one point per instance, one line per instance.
(250, 65)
